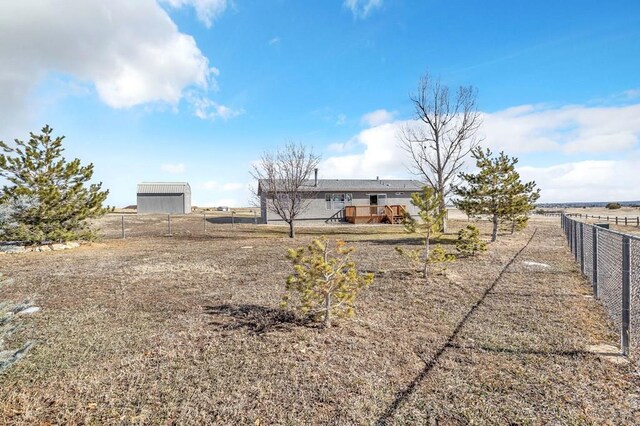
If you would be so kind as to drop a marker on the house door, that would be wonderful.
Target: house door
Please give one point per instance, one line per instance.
(378, 200)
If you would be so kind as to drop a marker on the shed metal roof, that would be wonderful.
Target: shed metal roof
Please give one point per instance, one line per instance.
(163, 188)
(358, 185)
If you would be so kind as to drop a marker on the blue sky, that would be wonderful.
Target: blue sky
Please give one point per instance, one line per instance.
(196, 90)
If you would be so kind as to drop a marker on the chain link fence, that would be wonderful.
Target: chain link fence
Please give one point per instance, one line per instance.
(114, 226)
(611, 262)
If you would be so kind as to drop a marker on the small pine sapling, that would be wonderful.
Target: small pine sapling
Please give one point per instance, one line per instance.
(468, 242)
(325, 280)
(428, 203)
(414, 257)
(437, 256)
(440, 258)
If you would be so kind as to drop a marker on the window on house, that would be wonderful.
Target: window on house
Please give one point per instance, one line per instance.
(337, 201)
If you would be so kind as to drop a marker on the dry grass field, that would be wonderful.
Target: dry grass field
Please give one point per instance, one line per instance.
(186, 330)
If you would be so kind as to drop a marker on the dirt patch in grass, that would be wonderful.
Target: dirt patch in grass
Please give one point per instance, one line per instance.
(186, 329)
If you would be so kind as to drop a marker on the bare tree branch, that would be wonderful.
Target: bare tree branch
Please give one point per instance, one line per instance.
(445, 133)
(284, 179)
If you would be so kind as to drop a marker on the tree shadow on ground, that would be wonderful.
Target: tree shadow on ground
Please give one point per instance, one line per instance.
(572, 353)
(230, 219)
(409, 241)
(398, 274)
(254, 318)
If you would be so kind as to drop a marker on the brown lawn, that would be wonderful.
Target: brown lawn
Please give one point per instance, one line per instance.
(186, 329)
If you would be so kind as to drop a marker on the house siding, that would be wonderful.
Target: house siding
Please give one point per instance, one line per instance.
(318, 212)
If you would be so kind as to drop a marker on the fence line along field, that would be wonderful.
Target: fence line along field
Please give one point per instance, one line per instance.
(187, 329)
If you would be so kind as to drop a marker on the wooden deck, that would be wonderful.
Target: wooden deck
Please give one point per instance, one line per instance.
(374, 214)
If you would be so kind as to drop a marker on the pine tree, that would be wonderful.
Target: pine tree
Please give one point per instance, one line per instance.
(431, 216)
(468, 242)
(326, 281)
(496, 190)
(61, 202)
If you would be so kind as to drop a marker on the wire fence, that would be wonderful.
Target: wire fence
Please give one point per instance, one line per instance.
(122, 226)
(611, 262)
(618, 220)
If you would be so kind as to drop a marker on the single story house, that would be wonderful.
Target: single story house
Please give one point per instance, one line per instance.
(164, 197)
(350, 200)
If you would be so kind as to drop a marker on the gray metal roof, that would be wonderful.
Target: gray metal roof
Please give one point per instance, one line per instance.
(358, 185)
(164, 188)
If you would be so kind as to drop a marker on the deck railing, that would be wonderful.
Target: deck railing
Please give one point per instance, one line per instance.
(373, 214)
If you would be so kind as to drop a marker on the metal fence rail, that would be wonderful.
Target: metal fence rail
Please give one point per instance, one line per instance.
(611, 262)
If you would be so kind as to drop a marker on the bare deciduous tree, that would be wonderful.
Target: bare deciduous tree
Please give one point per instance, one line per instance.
(444, 135)
(284, 181)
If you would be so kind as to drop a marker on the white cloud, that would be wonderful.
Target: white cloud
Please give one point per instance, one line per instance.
(174, 169)
(362, 8)
(585, 180)
(208, 109)
(571, 129)
(343, 146)
(381, 156)
(274, 40)
(378, 117)
(131, 52)
(341, 119)
(532, 133)
(206, 10)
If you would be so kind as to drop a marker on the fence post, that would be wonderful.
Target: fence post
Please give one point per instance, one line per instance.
(625, 221)
(123, 235)
(638, 221)
(233, 218)
(582, 248)
(204, 222)
(594, 279)
(616, 220)
(575, 240)
(571, 235)
(169, 223)
(626, 294)
(255, 217)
